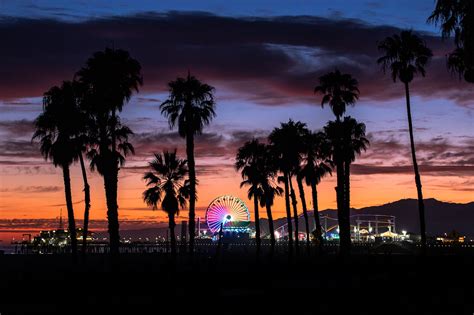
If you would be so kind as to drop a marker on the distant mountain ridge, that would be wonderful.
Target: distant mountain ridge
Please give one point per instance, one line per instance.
(441, 217)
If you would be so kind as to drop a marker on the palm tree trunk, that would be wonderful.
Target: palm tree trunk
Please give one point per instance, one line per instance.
(305, 210)
(270, 225)
(172, 225)
(110, 184)
(70, 210)
(110, 174)
(344, 225)
(421, 205)
(317, 220)
(295, 212)
(257, 224)
(347, 191)
(87, 205)
(192, 187)
(288, 215)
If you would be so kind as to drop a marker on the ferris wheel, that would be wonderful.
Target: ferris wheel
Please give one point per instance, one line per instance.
(228, 212)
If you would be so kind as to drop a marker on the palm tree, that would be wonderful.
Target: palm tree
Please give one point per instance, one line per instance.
(299, 181)
(316, 165)
(456, 17)
(354, 142)
(458, 63)
(270, 191)
(56, 129)
(109, 79)
(286, 146)
(167, 177)
(333, 134)
(87, 203)
(82, 145)
(190, 106)
(249, 161)
(339, 90)
(405, 55)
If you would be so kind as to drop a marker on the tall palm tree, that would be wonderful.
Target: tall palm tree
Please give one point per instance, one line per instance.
(56, 130)
(82, 141)
(339, 91)
(167, 177)
(109, 79)
(87, 203)
(299, 181)
(316, 165)
(270, 191)
(406, 55)
(294, 204)
(333, 134)
(286, 146)
(249, 161)
(456, 17)
(354, 142)
(190, 106)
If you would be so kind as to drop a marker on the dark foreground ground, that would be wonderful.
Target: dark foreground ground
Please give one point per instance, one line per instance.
(237, 284)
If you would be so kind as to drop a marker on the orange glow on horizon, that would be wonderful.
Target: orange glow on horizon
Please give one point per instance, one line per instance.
(366, 190)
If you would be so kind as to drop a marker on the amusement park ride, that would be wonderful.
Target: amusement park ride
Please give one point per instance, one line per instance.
(228, 219)
(228, 216)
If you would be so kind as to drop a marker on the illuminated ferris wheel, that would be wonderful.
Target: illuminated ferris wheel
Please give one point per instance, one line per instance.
(229, 212)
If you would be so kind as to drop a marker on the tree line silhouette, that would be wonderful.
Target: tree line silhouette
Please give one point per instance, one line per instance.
(81, 119)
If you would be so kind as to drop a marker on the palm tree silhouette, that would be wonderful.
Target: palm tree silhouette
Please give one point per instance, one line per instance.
(109, 79)
(333, 133)
(190, 106)
(57, 129)
(458, 62)
(456, 17)
(249, 161)
(405, 55)
(287, 145)
(339, 91)
(316, 165)
(354, 142)
(87, 196)
(270, 191)
(299, 181)
(258, 170)
(82, 141)
(167, 177)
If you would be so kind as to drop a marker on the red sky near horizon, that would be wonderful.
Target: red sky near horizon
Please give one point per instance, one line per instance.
(264, 69)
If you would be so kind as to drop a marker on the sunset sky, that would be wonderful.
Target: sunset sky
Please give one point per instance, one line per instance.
(264, 59)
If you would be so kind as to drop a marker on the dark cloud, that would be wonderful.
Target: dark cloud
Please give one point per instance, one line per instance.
(387, 154)
(437, 156)
(14, 168)
(207, 145)
(63, 204)
(433, 170)
(269, 60)
(19, 149)
(17, 128)
(32, 189)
